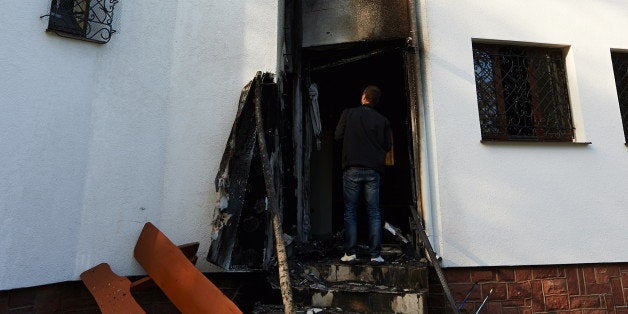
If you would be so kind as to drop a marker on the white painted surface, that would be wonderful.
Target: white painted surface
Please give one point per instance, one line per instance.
(90, 134)
(519, 204)
(98, 139)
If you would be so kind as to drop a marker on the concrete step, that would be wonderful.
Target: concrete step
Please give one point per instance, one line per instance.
(278, 309)
(356, 297)
(403, 276)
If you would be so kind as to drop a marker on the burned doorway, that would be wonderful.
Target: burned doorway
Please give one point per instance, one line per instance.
(341, 73)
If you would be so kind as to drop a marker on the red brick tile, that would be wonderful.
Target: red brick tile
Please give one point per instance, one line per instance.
(492, 307)
(621, 310)
(164, 308)
(617, 291)
(500, 291)
(77, 303)
(583, 302)
(554, 286)
(4, 301)
(613, 270)
(459, 291)
(594, 312)
(581, 282)
(505, 275)
(22, 297)
(523, 274)
(538, 300)
(545, 272)
(557, 302)
(572, 280)
(469, 307)
(624, 279)
(46, 305)
(601, 274)
(510, 310)
(482, 275)
(513, 303)
(47, 298)
(608, 302)
(598, 288)
(23, 310)
(526, 311)
(589, 274)
(457, 275)
(519, 290)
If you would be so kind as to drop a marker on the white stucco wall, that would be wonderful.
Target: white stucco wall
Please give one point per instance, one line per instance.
(519, 204)
(98, 139)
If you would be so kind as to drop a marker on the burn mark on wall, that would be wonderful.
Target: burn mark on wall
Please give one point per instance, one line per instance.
(328, 22)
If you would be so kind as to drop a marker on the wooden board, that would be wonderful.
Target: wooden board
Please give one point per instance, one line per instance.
(234, 172)
(188, 249)
(112, 292)
(188, 289)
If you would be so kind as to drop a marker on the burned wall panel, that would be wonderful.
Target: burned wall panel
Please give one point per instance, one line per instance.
(329, 22)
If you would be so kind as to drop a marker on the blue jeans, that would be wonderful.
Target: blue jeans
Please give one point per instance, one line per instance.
(355, 180)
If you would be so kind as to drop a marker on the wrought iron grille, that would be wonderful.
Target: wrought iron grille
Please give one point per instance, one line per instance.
(82, 19)
(620, 67)
(522, 93)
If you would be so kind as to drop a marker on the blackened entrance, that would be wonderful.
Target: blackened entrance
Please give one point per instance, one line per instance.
(341, 77)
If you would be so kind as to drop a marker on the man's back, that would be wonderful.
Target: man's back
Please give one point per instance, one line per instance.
(366, 138)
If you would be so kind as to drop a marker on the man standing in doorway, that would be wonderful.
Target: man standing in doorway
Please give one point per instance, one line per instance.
(366, 138)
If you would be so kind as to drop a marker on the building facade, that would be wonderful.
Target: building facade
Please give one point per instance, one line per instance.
(497, 204)
(98, 139)
(520, 155)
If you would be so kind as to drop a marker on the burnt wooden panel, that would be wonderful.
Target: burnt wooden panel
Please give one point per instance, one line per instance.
(231, 181)
(241, 233)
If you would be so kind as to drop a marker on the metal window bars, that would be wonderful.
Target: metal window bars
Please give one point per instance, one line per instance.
(88, 20)
(522, 93)
(620, 67)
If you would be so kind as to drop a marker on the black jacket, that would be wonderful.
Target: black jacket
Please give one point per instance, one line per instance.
(365, 136)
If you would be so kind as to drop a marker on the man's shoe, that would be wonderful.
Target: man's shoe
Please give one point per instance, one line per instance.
(349, 258)
(377, 260)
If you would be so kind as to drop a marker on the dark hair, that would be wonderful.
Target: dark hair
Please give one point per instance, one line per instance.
(372, 94)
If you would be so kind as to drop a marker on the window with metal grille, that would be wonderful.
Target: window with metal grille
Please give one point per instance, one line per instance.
(620, 67)
(82, 19)
(522, 93)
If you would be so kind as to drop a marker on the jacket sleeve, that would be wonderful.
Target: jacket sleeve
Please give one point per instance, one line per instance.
(340, 128)
(387, 136)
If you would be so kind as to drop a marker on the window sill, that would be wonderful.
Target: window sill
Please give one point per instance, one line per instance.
(517, 142)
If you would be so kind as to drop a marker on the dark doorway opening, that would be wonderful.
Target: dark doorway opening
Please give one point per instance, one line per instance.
(340, 85)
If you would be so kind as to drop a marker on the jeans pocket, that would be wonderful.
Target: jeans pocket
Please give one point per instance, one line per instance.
(351, 172)
(372, 176)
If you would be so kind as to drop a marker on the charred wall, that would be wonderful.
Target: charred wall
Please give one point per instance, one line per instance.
(329, 22)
